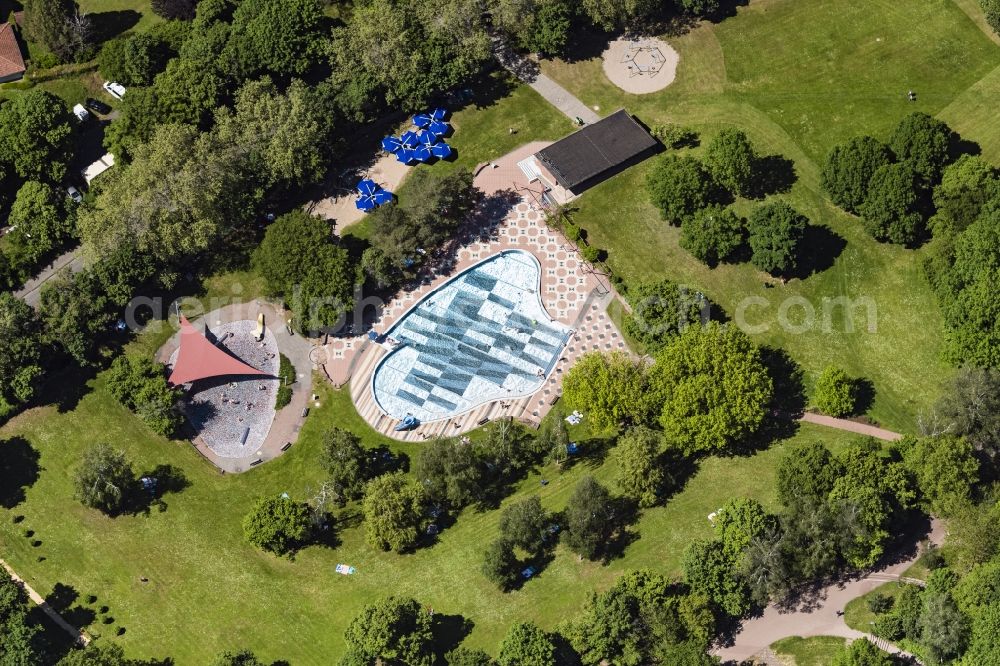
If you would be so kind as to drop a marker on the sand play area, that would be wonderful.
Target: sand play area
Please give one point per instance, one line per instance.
(640, 66)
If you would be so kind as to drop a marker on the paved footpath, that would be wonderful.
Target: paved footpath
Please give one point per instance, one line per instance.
(851, 426)
(822, 618)
(80, 637)
(554, 94)
(31, 292)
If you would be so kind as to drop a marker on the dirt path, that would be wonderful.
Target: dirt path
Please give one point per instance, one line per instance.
(80, 637)
(850, 426)
(822, 617)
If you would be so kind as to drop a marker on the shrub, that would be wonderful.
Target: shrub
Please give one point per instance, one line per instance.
(590, 253)
(277, 524)
(286, 374)
(879, 603)
(713, 234)
(676, 136)
(661, 310)
(992, 10)
(835, 393)
(141, 386)
(573, 232)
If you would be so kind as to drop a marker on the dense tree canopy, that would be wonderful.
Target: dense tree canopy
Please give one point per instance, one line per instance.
(835, 393)
(679, 187)
(277, 524)
(848, 170)
(57, 25)
(541, 26)
(280, 36)
(662, 309)
(713, 387)
(75, 313)
(640, 474)
(862, 652)
(713, 234)
(132, 60)
(527, 645)
(806, 474)
(17, 634)
(991, 8)
(590, 519)
(922, 141)
(347, 463)
(946, 471)
(966, 187)
(776, 231)
(141, 385)
(394, 511)
(450, 472)
(523, 523)
(20, 354)
(392, 630)
(44, 220)
(36, 135)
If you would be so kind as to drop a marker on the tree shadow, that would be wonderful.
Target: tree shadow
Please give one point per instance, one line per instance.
(52, 641)
(727, 9)
(62, 600)
(108, 25)
(788, 380)
(626, 513)
(449, 631)
(151, 487)
(585, 43)
(864, 395)
(957, 146)
(773, 174)
(19, 470)
(679, 469)
(819, 248)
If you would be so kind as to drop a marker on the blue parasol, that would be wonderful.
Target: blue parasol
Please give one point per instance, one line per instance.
(426, 138)
(367, 187)
(422, 154)
(441, 150)
(391, 144)
(422, 120)
(382, 197)
(409, 139)
(439, 113)
(405, 155)
(438, 128)
(364, 203)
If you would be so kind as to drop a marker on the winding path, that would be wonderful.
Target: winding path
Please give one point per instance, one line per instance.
(80, 637)
(821, 618)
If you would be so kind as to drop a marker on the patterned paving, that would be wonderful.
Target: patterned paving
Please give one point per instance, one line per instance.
(570, 291)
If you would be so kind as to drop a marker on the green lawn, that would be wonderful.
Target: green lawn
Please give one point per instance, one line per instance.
(800, 77)
(858, 616)
(813, 651)
(210, 587)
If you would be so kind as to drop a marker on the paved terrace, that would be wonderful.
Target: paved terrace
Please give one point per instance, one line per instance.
(571, 291)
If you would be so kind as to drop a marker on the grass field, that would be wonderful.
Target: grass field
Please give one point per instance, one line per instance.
(813, 651)
(800, 77)
(209, 590)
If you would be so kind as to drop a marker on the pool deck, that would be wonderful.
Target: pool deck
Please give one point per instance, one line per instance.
(572, 293)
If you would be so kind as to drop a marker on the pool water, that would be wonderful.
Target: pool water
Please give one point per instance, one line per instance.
(483, 335)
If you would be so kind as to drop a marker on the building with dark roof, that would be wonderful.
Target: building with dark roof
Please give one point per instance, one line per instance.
(11, 60)
(594, 153)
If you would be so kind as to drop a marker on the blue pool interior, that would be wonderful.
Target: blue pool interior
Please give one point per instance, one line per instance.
(481, 336)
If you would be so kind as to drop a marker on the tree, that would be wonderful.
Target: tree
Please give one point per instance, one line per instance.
(893, 210)
(36, 135)
(180, 10)
(279, 36)
(966, 187)
(132, 60)
(104, 480)
(922, 141)
(862, 652)
(20, 354)
(141, 386)
(463, 656)
(698, 7)
(278, 524)
(611, 14)
(807, 473)
(393, 508)
(713, 234)
(527, 645)
(662, 309)
(74, 312)
(523, 524)
(713, 387)
(609, 388)
(590, 519)
(95, 655)
(835, 394)
(739, 522)
(732, 160)
(347, 463)
(946, 471)
(679, 187)
(710, 571)
(640, 475)
(776, 231)
(970, 407)
(979, 588)
(17, 634)
(240, 658)
(848, 170)
(991, 8)
(500, 564)
(43, 220)
(943, 628)
(393, 630)
(449, 472)
(51, 23)
(984, 650)
(553, 439)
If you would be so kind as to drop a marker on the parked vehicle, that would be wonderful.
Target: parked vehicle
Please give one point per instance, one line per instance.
(74, 194)
(97, 106)
(114, 89)
(81, 113)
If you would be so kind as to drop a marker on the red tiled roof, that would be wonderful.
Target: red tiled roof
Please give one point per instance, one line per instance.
(11, 61)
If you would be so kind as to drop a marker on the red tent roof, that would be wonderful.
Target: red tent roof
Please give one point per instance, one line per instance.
(200, 359)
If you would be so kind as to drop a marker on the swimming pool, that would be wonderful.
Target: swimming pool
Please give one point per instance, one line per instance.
(483, 335)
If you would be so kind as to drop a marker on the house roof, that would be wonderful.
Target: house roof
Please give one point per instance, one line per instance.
(200, 359)
(598, 147)
(11, 61)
